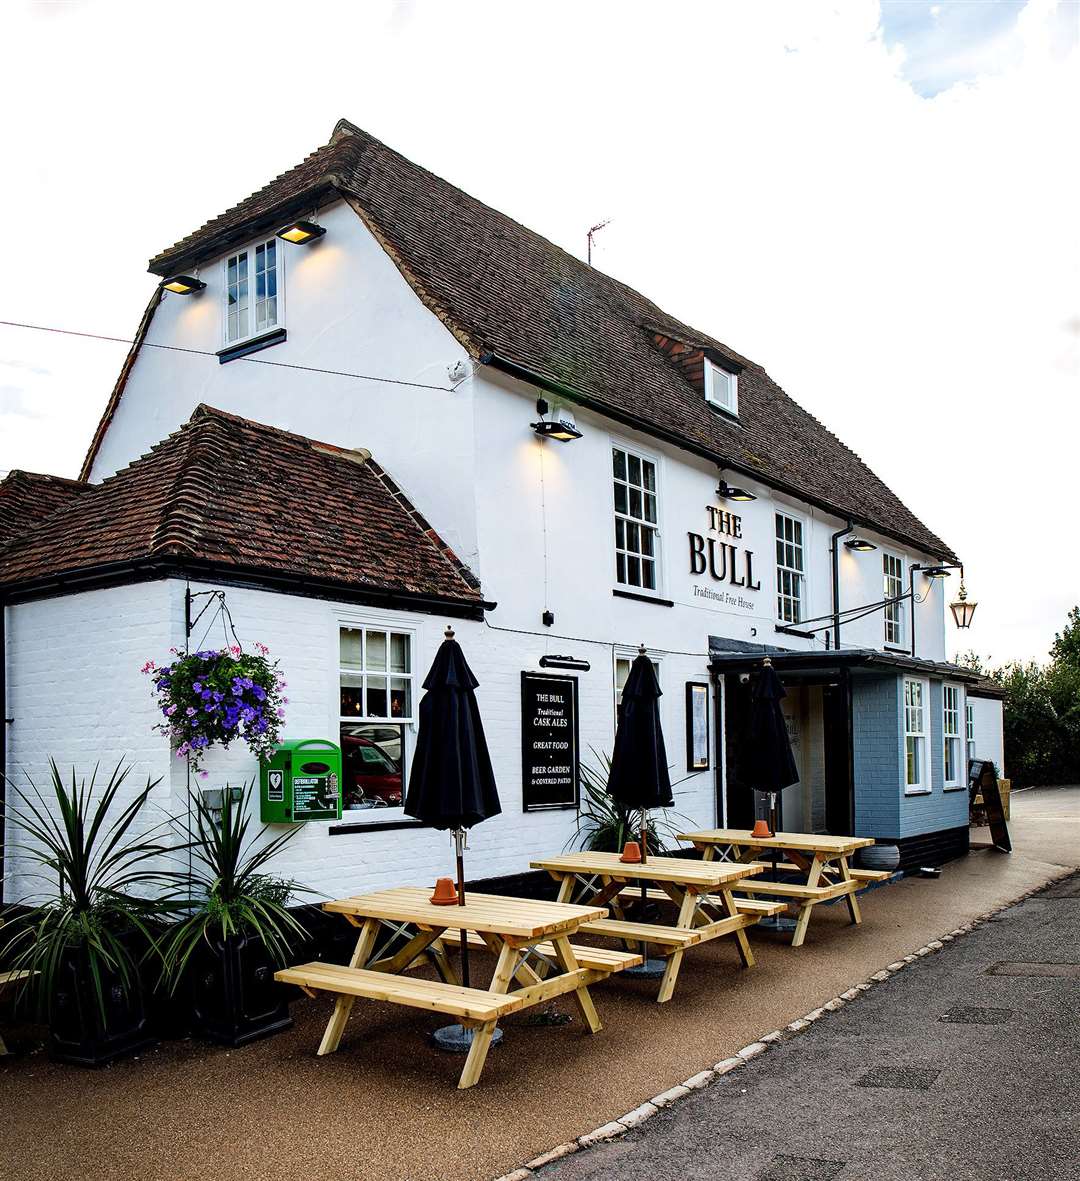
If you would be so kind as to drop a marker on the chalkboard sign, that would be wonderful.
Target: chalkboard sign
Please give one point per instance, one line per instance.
(982, 780)
(549, 742)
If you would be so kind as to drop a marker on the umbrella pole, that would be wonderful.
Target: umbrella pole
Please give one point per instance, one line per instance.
(459, 854)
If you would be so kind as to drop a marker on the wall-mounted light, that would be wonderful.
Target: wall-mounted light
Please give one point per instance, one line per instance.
(565, 662)
(860, 545)
(935, 572)
(183, 285)
(962, 610)
(728, 491)
(301, 232)
(560, 425)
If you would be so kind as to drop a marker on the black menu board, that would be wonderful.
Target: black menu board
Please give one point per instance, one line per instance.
(549, 742)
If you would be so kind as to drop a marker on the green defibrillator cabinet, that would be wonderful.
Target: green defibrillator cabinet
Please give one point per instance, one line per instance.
(302, 781)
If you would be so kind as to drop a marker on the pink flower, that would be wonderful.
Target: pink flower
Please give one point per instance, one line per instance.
(204, 774)
(235, 649)
(149, 666)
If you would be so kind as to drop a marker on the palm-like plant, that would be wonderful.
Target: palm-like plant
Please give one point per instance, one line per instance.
(92, 861)
(605, 825)
(230, 894)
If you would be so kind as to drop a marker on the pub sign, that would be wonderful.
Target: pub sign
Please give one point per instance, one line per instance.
(550, 762)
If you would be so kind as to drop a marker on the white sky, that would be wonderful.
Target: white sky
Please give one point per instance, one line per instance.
(888, 218)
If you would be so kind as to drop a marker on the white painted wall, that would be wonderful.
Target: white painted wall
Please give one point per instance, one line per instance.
(989, 732)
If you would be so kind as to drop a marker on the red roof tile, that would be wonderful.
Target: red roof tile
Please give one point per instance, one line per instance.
(28, 498)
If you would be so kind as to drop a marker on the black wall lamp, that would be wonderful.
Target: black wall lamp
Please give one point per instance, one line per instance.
(301, 232)
(728, 491)
(860, 545)
(560, 426)
(183, 285)
(582, 666)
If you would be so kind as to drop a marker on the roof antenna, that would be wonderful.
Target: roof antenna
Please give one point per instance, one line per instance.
(589, 237)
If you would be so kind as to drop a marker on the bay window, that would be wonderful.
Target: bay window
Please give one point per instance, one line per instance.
(950, 706)
(916, 772)
(637, 534)
(377, 704)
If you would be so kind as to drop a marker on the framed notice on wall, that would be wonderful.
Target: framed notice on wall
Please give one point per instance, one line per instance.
(549, 742)
(697, 726)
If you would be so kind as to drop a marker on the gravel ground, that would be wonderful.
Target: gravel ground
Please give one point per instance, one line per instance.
(385, 1105)
(959, 1068)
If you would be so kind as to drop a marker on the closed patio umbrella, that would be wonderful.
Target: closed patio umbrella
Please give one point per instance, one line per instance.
(770, 764)
(451, 784)
(639, 777)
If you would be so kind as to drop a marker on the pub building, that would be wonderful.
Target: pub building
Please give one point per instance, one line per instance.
(364, 406)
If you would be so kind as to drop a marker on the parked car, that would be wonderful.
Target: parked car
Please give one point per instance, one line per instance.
(372, 775)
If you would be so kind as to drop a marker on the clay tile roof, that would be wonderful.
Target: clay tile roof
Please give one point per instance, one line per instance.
(27, 498)
(506, 291)
(232, 492)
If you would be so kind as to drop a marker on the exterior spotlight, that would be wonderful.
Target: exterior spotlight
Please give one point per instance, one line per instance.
(727, 492)
(962, 610)
(860, 544)
(183, 285)
(301, 232)
(560, 426)
(936, 572)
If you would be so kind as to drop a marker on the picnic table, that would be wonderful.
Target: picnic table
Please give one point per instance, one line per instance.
(516, 930)
(818, 861)
(701, 891)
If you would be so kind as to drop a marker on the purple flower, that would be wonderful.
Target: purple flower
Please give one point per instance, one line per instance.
(190, 712)
(171, 710)
(281, 713)
(197, 686)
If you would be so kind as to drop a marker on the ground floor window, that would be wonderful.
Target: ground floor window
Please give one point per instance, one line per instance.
(915, 770)
(622, 671)
(951, 730)
(969, 718)
(377, 699)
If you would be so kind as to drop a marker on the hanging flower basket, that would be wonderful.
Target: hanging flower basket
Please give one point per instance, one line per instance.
(219, 695)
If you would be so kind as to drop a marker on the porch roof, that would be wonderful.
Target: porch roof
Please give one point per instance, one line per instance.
(748, 657)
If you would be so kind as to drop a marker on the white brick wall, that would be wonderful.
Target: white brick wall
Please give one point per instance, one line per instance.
(76, 693)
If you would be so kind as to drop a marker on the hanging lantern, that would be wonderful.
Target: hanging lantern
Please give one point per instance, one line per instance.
(962, 610)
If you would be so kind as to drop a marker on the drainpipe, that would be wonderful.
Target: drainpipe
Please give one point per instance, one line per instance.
(848, 528)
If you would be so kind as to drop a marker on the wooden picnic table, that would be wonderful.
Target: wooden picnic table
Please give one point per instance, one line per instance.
(702, 892)
(516, 930)
(818, 860)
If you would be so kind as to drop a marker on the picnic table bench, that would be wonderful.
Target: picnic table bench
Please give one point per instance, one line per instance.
(819, 860)
(700, 891)
(514, 929)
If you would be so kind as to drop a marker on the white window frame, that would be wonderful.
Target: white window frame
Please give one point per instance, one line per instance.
(894, 612)
(730, 384)
(915, 731)
(780, 568)
(630, 655)
(408, 724)
(253, 333)
(628, 521)
(951, 736)
(969, 728)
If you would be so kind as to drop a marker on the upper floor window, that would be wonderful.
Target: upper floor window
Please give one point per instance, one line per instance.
(721, 388)
(636, 531)
(377, 694)
(790, 570)
(252, 305)
(893, 571)
(950, 705)
(915, 776)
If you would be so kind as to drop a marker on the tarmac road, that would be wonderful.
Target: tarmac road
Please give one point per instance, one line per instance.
(952, 1069)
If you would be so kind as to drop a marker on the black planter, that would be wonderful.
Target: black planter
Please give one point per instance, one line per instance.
(77, 1033)
(234, 996)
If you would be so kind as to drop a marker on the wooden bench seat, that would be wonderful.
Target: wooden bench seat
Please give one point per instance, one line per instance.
(599, 959)
(795, 889)
(872, 875)
(645, 932)
(630, 893)
(473, 1004)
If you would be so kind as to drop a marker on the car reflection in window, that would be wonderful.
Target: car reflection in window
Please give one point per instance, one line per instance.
(371, 757)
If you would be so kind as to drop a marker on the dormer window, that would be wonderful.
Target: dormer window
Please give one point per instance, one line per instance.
(721, 388)
(252, 303)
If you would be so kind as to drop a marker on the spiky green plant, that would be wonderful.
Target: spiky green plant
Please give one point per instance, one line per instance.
(230, 892)
(604, 825)
(93, 857)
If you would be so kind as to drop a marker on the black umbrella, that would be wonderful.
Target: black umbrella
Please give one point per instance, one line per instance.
(769, 764)
(452, 785)
(639, 769)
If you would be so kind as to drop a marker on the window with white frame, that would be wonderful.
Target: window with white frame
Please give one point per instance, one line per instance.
(721, 388)
(790, 569)
(916, 777)
(622, 671)
(950, 708)
(969, 728)
(893, 572)
(637, 535)
(377, 704)
(252, 304)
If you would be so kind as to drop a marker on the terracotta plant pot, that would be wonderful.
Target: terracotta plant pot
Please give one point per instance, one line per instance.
(445, 894)
(631, 852)
(761, 829)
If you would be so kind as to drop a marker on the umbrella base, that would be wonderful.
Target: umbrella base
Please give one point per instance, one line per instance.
(776, 922)
(649, 970)
(456, 1039)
